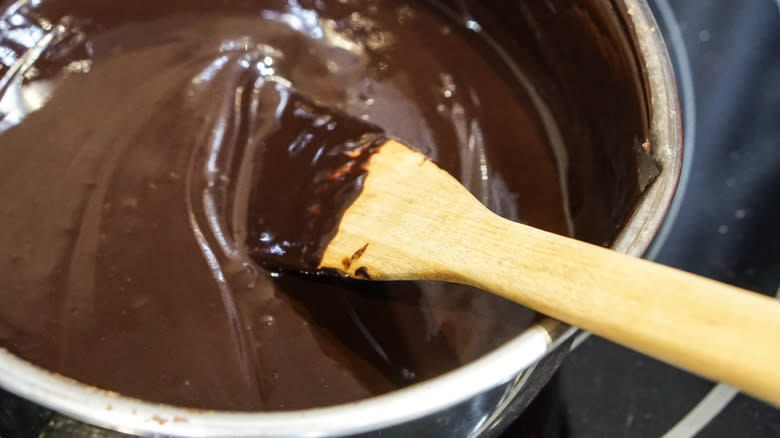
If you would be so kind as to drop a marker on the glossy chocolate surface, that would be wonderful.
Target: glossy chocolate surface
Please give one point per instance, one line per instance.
(131, 141)
(320, 156)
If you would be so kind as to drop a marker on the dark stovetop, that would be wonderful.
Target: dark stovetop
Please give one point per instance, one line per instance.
(727, 227)
(727, 60)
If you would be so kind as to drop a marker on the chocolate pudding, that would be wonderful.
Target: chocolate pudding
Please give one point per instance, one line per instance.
(134, 137)
(321, 155)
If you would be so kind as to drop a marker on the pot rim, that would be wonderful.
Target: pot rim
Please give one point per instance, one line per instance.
(125, 414)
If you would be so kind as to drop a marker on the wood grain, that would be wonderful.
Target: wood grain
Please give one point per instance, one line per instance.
(414, 221)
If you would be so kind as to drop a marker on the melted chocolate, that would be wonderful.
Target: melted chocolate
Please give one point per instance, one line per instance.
(132, 133)
(319, 156)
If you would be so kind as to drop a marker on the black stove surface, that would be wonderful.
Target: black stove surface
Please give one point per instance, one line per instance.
(727, 227)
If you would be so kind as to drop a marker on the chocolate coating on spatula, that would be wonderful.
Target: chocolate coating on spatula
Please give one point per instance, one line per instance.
(307, 172)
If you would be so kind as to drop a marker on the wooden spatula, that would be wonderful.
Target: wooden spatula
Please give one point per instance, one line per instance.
(413, 221)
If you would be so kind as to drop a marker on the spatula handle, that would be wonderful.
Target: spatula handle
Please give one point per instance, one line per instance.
(712, 329)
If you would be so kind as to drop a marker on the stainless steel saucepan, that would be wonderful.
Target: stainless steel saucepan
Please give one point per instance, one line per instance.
(478, 399)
